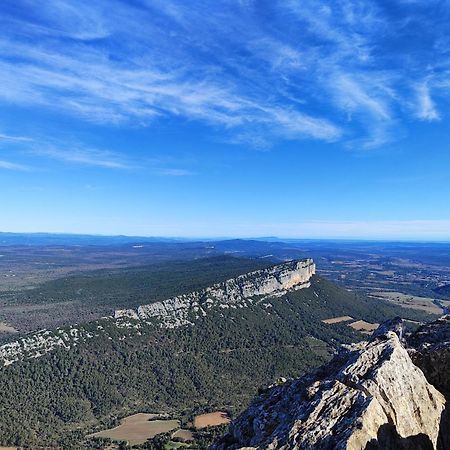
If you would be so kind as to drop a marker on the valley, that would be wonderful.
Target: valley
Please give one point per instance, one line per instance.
(195, 338)
(139, 428)
(224, 225)
(57, 280)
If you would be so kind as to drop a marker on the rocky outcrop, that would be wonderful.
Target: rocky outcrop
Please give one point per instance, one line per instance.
(41, 342)
(429, 348)
(372, 395)
(237, 292)
(233, 293)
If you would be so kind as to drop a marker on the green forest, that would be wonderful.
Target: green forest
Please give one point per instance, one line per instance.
(217, 364)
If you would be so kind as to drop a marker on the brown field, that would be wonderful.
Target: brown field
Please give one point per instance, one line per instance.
(337, 319)
(185, 435)
(363, 326)
(4, 328)
(409, 301)
(211, 419)
(136, 429)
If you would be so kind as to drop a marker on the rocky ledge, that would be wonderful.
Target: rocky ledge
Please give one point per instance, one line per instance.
(388, 393)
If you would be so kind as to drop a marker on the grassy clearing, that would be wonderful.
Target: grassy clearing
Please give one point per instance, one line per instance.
(185, 435)
(172, 444)
(4, 328)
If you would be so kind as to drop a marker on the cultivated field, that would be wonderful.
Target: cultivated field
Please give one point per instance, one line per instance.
(363, 326)
(184, 435)
(409, 301)
(211, 419)
(338, 319)
(136, 429)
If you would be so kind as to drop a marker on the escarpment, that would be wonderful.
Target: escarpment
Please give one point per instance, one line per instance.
(373, 395)
(233, 293)
(238, 292)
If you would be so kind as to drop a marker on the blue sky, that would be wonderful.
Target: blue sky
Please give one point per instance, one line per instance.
(294, 118)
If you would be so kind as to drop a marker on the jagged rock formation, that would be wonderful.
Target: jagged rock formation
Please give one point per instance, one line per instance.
(233, 293)
(237, 292)
(370, 396)
(429, 348)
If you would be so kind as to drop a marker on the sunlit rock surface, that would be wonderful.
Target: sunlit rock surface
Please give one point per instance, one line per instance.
(235, 292)
(370, 396)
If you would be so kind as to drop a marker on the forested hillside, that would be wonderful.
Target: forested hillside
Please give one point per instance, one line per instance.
(91, 295)
(219, 363)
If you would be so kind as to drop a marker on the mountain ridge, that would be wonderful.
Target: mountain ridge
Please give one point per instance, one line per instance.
(170, 313)
(272, 281)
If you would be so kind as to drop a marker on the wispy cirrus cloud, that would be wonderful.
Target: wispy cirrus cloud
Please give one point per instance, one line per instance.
(426, 109)
(8, 165)
(74, 153)
(83, 156)
(9, 138)
(318, 70)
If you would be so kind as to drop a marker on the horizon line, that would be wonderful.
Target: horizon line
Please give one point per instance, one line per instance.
(232, 237)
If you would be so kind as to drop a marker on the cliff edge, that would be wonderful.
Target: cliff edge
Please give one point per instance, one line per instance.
(238, 292)
(388, 393)
(232, 293)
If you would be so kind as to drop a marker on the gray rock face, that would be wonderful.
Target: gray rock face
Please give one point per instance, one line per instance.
(430, 350)
(233, 293)
(237, 292)
(370, 396)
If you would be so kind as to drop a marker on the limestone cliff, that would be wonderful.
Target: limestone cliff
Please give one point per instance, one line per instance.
(237, 292)
(233, 293)
(370, 396)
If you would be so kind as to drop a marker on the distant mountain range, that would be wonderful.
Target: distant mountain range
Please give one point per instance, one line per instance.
(75, 239)
(11, 238)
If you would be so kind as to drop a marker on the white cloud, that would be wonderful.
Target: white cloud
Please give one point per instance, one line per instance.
(426, 109)
(105, 92)
(361, 95)
(83, 156)
(7, 165)
(302, 74)
(9, 138)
